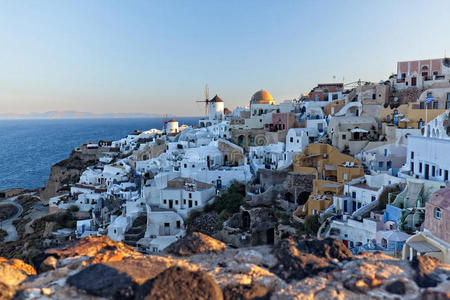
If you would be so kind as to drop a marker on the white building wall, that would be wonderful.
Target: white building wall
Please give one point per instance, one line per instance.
(428, 154)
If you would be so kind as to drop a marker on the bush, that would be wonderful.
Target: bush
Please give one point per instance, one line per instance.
(312, 224)
(231, 199)
(73, 208)
(229, 202)
(299, 227)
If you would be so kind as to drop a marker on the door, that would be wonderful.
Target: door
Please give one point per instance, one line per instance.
(413, 81)
(166, 228)
(170, 204)
(427, 171)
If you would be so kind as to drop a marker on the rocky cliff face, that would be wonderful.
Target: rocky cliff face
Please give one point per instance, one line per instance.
(295, 268)
(66, 172)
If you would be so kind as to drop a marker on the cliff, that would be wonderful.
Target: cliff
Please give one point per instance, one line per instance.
(295, 268)
(67, 172)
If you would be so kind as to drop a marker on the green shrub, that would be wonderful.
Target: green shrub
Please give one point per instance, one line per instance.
(228, 201)
(73, 208)
(299, 227)
(312, 224)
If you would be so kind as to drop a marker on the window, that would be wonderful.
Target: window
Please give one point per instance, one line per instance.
(190, 195)
(354, 195)
(440, 172)
(185, 166)
(422, 105)
(178, 224)
(435, 105)
(412, 154)
(437, 213)
(433, 171)
(193, 166)
(388, 164)
(446, 175)
(359, 205)
(385, 152)
(176, 202)
(291, 139)
(344, 136)
(196, 203)
(165, 201)
(184, 201)
(420, 167)
(380, 164)
(374, 198)
(412, 167)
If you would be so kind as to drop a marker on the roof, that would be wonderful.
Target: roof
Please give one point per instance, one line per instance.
(262, 97)
(395, 236)
(423, 247)
(216, 99)
(441, 198)
(354, 119)
(331, 185)
(172, 121)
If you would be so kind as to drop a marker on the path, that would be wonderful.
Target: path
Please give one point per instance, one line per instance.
(7, 225)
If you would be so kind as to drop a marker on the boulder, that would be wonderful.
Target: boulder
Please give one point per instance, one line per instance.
(98, 249)
(14, 271)
(397, 287)
(6, 291)
(246, 292)
(424, 267)
(195, 243)
(104, 281)
(48, 264)
(301, 258)
(180, 283)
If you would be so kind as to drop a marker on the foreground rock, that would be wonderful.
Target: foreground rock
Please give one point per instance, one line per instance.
(295, 268)
(300, 258)
(180, 283)
(89, 250)
(195, 243)
(12, 273)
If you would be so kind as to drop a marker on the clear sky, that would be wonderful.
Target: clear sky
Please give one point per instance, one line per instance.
(156, 56)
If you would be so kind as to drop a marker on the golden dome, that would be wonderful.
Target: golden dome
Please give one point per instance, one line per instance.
(262, 97)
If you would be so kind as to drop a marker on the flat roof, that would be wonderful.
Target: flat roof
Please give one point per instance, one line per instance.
(423, 247)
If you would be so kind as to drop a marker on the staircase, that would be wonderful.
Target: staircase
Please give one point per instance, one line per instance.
(136, 231)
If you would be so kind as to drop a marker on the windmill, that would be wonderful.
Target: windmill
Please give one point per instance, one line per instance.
(206, 101)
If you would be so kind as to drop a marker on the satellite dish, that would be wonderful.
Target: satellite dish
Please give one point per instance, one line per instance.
(396, 99)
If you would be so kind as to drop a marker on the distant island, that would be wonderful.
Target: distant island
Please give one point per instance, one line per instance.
(74, 115)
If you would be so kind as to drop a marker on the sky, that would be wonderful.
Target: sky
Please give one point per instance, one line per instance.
(156, 56)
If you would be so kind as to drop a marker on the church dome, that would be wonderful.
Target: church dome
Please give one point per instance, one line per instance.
(262, 97)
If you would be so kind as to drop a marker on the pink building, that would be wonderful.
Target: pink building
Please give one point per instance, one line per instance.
(427, 68)
(281, 121)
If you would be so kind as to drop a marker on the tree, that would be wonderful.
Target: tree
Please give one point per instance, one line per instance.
(312, 224)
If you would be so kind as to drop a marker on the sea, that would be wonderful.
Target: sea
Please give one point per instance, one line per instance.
(28, 148)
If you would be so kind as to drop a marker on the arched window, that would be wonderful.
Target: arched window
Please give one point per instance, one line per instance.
(437, 213)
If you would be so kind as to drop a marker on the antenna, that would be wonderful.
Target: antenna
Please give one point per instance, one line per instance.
(206, 92)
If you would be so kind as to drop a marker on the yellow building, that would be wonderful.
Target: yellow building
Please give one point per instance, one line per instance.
(410, 114)
(332, 170)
